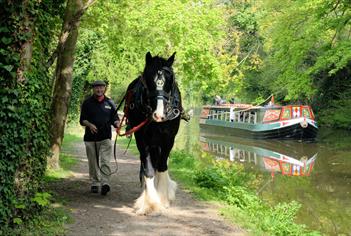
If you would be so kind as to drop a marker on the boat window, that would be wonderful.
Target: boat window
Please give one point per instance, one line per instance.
(271, 115)
(204, 113)
(286, 113)
(306, 113)
(296, 112)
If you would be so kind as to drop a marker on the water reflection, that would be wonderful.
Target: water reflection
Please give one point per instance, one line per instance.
(285, 158)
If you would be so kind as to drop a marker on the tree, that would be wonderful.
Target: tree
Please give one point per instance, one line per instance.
(304, 39)
(62, 90)
(63, 78)
(129, 29)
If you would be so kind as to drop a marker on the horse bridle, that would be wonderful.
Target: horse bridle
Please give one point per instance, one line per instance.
(159, 93)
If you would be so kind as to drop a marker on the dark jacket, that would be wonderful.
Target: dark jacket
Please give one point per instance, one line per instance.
(102, 114)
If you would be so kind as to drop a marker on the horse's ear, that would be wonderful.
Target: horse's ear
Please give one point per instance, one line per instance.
(171, 60)
(148, 57)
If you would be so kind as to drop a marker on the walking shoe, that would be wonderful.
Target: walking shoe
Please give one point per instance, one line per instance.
(94, 189)
(105, 189)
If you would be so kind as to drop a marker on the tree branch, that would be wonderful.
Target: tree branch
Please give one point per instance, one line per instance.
(66, 31)
(244, 59)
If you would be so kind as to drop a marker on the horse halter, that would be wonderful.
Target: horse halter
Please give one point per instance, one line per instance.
(160, 95)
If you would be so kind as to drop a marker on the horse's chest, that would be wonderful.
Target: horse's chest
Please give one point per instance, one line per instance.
(157, 132)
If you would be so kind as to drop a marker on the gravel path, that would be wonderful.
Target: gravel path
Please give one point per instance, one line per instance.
(114, 214)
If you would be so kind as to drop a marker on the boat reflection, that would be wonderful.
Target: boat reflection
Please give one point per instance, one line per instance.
(283, 157)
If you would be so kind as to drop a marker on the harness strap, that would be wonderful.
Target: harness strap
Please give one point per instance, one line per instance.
(128, 97)
(159, 94)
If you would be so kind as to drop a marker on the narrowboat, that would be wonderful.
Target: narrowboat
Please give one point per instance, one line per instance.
(260, 122)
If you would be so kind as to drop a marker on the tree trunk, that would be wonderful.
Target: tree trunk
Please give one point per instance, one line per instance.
(27, 47)
(63, 78)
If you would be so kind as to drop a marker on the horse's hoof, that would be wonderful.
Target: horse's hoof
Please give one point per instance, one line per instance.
(140, 212)
(165, 203)
(153, 210)
(155, 213)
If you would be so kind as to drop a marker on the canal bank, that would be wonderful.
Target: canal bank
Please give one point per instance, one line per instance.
(324, 194)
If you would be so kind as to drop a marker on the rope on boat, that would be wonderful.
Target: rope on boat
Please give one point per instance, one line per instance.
(238, 110)
(269, 97)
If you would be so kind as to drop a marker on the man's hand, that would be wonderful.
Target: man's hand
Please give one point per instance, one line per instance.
(93, 128)
(116, 124)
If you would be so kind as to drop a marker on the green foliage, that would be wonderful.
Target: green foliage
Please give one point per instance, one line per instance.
(42, 199)
(238, 196)
(245, 44)
(306, 42)
(221, 174)
(210, 178)
(333, 99)
(87, 43)
(51, 221)
(129, 29)
(52, 217)
(24, 108)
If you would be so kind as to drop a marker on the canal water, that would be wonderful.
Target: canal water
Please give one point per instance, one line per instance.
(317, 175)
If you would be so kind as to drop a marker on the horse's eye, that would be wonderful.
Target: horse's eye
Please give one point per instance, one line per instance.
(167, 73)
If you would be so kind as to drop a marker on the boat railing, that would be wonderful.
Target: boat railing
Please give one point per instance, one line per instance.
(235, 116)
(234, 154)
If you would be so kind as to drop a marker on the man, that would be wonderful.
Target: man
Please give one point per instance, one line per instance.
(218, 100)
(98, 113)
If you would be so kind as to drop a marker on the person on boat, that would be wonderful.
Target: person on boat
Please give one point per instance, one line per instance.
(218, 100)
(271, 102)
(231, 114)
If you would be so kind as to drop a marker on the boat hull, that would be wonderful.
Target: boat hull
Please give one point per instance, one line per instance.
(294, 131)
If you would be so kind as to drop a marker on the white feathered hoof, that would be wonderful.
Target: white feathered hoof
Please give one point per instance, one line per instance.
(149, 201)
(166, 188)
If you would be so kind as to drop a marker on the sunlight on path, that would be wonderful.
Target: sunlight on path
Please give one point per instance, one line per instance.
(113, 214)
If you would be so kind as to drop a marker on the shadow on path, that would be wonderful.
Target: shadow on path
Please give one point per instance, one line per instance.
(114, 214)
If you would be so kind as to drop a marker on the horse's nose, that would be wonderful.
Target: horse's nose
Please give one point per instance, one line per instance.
(158, 117)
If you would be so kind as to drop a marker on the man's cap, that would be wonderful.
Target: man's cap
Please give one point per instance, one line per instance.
(98, 83)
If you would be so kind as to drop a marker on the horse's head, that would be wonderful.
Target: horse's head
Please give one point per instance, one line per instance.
(159, 80)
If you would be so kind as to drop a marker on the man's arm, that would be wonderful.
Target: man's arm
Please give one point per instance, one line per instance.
(114, 114)
(83, 120)
(91, 126)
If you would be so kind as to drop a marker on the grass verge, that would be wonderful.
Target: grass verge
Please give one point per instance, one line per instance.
(52, 215)
(127, 144)
(51, 221)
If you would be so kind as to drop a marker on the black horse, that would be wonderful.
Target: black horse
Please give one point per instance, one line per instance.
(153, 106)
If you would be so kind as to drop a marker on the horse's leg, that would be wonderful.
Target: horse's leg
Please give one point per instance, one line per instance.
(149, 200)
(165, 187)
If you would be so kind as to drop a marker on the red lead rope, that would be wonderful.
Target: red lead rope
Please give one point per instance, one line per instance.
(132, 130)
